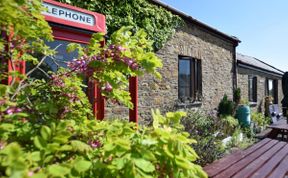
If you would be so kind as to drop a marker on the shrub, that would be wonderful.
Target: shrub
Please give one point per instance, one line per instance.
(205, 130)
(259, 119)
(228, 125)
(91, 148)
(237, 96)
(225, 107)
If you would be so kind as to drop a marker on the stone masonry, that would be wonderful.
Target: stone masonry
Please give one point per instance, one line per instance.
(261, 78)
(216, 55)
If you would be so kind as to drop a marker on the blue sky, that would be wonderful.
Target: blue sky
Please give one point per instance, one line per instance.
(261, 25)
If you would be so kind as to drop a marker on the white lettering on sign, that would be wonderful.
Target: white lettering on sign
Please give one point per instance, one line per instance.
(68, 14)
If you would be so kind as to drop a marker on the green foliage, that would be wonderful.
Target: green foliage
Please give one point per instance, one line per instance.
(244, 102)
(206, 130)
(259, 119)
(237, 96)
(21, 22)
(225, 107)
(156, 21)
(240, 140)
(62, 148)
(47, 128)
(125, 55)
(228, 124)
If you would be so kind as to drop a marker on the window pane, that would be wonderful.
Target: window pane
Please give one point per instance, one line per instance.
(184, 78)
(270, 88)
(250, 88)
(62, 57)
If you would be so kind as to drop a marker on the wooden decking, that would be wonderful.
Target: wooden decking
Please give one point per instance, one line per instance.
(267, 158)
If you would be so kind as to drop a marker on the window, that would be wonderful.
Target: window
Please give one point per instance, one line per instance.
(189, 79)
(60, 59)
(272, 89)
(252, 88)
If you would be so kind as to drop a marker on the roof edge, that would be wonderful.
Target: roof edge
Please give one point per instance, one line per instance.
(280, 71)
(259, 69)
(191, 19)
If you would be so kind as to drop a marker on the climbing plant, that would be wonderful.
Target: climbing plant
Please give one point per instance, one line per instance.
(156, 21)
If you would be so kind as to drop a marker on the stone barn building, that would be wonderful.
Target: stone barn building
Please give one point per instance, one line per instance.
(257, 79)
(199, 68)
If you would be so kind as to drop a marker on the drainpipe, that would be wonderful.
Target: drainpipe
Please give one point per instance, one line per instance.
(235, 70)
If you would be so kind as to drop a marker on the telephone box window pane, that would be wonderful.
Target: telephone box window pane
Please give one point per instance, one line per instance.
(61, 57)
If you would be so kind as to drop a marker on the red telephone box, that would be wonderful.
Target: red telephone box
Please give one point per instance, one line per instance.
(73, 24)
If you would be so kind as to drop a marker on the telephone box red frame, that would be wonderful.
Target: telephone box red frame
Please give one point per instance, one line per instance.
(62, 31)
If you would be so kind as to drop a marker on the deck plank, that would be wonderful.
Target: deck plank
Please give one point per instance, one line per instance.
(269, 166)
(281, 170)
(259, 162)
(222, 164)
(232, 170)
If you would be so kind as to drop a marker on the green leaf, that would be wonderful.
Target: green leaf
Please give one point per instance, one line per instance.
(144, 165)
(147, 154)
(65, 148)
(45, 132)
(149, 142)
(80, 146)
(39, 175)
(6, 127)
(58, 170)
(119, 163)
(39, 142)
(48, 159)
(82, 165)
(36, 156)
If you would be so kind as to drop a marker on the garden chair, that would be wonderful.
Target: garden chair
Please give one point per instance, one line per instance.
(275, 113)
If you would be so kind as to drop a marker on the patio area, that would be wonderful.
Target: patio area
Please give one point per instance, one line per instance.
(267, 158)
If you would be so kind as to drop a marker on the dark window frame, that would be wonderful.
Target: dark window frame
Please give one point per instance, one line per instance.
(252, 95)
(195, 94)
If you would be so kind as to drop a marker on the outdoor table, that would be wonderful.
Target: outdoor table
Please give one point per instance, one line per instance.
(280, 127)
(267, 158)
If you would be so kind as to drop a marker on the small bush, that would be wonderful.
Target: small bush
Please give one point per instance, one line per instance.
(225, 107)
(237, 96)
(259, 119)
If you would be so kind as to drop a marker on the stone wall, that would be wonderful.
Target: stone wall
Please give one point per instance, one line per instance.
(242, 81)
(216, 55)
